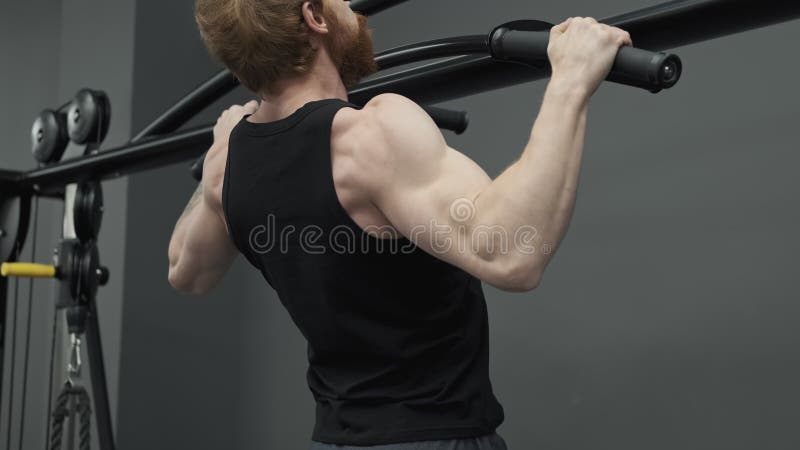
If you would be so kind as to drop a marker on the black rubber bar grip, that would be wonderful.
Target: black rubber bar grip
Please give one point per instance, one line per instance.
(447, 119)
(635, 67)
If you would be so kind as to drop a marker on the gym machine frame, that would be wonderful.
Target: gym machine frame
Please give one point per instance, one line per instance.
(511, 54)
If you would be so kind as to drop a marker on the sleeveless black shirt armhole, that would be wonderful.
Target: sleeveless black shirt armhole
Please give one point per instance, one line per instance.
(225, 190)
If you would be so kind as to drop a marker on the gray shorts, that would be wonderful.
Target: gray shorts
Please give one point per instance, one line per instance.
(489, 442)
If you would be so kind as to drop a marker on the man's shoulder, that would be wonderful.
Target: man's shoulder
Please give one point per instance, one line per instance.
(373, 144)
(377, 115)
(389, 103)
(385, 124)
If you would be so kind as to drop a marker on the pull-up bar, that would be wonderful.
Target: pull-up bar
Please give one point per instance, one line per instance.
(665, 26)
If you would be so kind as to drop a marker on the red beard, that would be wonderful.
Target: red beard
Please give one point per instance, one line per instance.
(351, 52)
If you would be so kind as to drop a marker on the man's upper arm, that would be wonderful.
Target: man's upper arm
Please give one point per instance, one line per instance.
(203, 251)
(425, 188)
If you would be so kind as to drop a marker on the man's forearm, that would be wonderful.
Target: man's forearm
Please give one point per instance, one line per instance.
(539, 189)
(553, 158)
(179, 233)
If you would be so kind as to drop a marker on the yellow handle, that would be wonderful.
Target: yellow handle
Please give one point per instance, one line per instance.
(27, 270)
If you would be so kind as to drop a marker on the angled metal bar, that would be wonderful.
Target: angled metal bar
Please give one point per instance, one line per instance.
(371, 7)
(447, 80)
(149, 154)
(189, 106)
(440, 48)
(683, 22)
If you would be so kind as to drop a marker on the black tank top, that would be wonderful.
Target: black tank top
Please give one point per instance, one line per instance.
(398, 343)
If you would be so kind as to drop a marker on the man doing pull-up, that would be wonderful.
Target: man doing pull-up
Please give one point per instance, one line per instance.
(375, 234)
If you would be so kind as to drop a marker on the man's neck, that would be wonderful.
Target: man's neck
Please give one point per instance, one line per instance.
(322, 82)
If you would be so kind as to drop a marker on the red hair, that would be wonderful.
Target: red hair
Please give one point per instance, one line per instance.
(260, 41)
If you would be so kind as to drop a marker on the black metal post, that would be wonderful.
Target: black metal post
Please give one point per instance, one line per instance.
(3, 314)
(94, 349)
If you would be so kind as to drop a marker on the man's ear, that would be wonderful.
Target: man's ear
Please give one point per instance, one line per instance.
(313, 18)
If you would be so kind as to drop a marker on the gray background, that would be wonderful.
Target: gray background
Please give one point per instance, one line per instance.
(666, 320)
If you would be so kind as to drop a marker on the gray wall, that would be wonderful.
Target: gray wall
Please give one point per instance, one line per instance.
(665, 321)
(179, 354)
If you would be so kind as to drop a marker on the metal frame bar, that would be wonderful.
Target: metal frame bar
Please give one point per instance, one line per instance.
(145, 152)
(370, 7)
(190, 105)
(659, 27)
(682, 22)
(148, 154)
(456, 46)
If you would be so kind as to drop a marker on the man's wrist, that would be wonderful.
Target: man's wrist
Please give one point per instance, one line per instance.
(567, 92)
